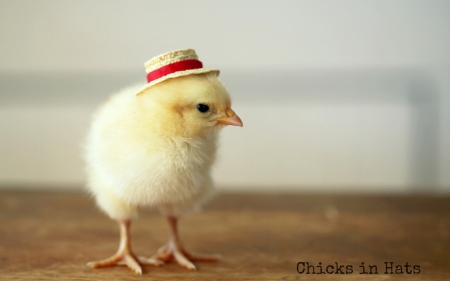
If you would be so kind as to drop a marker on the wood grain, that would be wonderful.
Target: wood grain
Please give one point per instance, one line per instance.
(51, 236)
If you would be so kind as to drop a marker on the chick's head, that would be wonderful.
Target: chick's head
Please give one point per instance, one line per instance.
(190, 106)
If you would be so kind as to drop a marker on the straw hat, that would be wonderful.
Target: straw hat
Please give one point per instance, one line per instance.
(173, 64)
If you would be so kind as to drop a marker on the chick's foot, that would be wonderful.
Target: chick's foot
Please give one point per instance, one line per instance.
(175, 251)
(172, 251)
(124, 255)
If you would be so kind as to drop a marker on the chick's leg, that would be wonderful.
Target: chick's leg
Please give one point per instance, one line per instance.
(124, 255)
(175, 251)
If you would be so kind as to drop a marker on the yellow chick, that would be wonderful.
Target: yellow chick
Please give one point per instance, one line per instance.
(154, 146)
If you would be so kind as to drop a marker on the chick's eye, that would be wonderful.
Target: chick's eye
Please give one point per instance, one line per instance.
(203, 108)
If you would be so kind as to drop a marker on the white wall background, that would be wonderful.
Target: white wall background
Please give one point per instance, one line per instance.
(107, 35)
(335, 95)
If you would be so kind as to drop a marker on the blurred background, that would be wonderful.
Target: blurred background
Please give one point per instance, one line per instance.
(339, 96)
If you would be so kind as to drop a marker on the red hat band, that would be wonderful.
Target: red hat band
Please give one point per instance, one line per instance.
(172, 68)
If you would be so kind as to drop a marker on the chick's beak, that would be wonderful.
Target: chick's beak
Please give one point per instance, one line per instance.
(231, 119)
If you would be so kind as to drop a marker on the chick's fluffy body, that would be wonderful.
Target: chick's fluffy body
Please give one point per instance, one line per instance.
(155, 148)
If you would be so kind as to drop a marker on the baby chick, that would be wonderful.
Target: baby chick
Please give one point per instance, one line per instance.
(154, 146)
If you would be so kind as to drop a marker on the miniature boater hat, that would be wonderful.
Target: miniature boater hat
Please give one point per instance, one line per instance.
(171, 65)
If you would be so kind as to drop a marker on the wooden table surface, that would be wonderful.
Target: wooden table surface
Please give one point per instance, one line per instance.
(51, 236)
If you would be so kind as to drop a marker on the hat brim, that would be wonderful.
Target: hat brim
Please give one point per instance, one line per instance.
(177, 74)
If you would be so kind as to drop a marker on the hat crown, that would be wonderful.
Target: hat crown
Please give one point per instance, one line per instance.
(169, 58)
